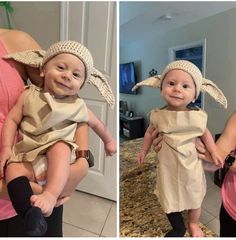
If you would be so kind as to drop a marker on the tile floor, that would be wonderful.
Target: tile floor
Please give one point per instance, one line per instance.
(87, 215)
(211, 205)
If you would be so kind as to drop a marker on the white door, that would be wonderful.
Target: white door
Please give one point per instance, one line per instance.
(94, 25)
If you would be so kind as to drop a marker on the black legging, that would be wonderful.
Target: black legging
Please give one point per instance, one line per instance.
(227, 224)
(13, 227)
(177, 223)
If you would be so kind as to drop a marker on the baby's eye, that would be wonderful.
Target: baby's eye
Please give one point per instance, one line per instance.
(60, 67)
(76, 75)
(171, 83)
(185, 86)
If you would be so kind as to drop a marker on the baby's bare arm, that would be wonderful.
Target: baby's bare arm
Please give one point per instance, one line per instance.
(147, 143)
(102, 131)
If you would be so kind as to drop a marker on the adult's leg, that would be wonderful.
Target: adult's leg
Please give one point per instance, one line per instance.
(227, 224)
(55, 222)
(14, 227)
(193, 220)
(177, 223)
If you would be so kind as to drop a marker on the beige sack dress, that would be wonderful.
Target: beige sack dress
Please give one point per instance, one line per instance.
(47, 120)
(181, 182)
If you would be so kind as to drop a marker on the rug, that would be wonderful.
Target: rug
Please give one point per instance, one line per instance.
(140, 212)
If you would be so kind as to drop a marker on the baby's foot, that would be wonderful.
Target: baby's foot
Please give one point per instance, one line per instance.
(46, 201)
(195, 230)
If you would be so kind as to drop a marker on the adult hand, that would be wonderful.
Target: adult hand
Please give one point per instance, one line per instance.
(5, 155)
(61, 201)
(203, 153)
(201, 149)
(233, 167)
(157, 139)
(78, 171)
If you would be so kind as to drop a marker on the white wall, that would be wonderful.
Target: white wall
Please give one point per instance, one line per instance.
(40, 19)
(219, 30)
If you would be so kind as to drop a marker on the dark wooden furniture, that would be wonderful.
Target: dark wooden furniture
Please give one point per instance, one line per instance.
(131, 128)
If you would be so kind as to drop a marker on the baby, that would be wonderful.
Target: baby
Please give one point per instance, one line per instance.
(49, 118)
(181, 183)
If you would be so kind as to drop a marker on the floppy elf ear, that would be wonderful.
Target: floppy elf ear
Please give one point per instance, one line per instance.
(100, 81)
(32, 58)
(212, 89)
(154, 82)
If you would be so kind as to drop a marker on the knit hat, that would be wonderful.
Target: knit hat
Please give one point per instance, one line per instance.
(74, 48)
(201, 84)
(38, 58)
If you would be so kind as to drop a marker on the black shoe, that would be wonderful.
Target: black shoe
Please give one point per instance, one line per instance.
(35, 224)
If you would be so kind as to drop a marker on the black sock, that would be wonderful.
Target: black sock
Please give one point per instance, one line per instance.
(20, 191)
(177, 223)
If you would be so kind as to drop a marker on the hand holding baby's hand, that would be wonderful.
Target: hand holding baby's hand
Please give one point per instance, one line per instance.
(110, 148)
(217, 159)
(5, 154)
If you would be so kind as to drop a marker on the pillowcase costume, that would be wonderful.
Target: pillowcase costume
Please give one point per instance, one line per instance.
(46, 119)
(181, 183)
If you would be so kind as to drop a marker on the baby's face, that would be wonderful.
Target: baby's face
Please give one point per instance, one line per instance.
(63, 75)
(178, 90)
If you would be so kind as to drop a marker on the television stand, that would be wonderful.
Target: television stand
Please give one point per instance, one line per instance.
(131, 128)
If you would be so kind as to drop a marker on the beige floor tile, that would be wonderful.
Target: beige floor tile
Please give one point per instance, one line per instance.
(72, 231)
(206, 217)
(110, 229)
(209, 179)
(214, 225)
(87, 212)
(211, 205)
(212, 200)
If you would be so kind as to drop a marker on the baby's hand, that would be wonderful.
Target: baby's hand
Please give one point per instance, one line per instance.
(4, 156)
(141, 156)
(110, 148)
(217, 159)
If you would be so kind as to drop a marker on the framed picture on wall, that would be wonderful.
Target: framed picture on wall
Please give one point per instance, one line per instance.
(194, 52)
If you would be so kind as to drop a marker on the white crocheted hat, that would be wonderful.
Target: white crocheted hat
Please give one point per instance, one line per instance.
(201, 84)
(74, 48)
(38, 58)
(188, 67)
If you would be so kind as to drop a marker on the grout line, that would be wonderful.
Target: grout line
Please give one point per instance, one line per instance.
(105, 221)
(81, 228)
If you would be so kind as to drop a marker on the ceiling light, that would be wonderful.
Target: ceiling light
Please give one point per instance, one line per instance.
(166, 17)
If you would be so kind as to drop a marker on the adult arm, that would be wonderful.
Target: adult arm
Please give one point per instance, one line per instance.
(225, 144)
(211, 147)
(227, 141)
(79, 169)
(9, 131)
(157, 139)
(17, 41)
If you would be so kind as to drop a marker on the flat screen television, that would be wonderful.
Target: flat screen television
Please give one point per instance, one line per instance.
(127, 78)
